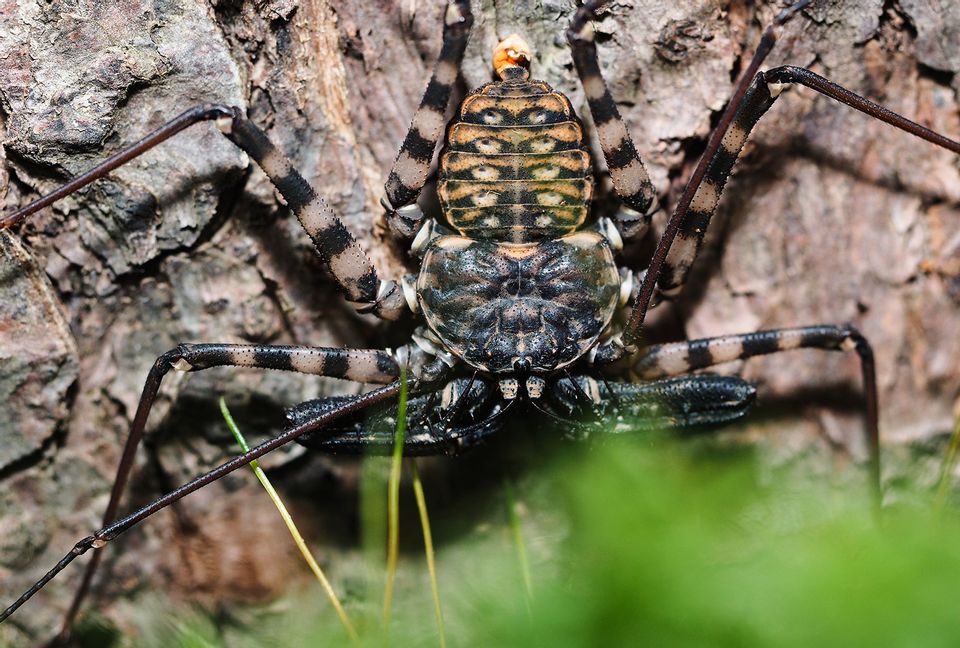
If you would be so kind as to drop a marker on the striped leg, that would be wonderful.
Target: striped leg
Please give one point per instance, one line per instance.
(333, 241)
(682, 357)
(368, 366)
(759, 97)
(349, 264)
(693, 227)
(630, 179)
(754, 94)
(100, 538)
(410, 169)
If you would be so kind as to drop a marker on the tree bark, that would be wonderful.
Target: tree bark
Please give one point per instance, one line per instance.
(831, 217)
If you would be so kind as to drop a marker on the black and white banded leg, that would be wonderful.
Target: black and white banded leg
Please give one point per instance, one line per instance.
(365, 366)
(760, 95)
(349, 264)
(679, 358)
(630, 179)
(754, 94)
(410, 170)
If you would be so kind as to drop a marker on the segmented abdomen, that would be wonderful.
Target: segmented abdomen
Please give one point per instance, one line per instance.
(514, 166)
(543, 303)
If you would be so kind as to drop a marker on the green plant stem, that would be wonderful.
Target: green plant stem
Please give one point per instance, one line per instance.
(517, 530)
(949, 462)
(291, 526)
(428, 548)
(393, 501)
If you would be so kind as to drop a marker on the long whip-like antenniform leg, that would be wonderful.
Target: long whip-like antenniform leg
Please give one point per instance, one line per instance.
(165, 132)
(754, 94)
(759, 97)
(352, 270)
(101, 537)
(679, 358)
(370, 366)
(409, 172)
(631, 332)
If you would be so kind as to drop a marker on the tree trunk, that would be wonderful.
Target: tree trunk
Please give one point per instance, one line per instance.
(831, 217)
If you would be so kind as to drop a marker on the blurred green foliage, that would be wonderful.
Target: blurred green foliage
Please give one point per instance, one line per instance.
(640, 542)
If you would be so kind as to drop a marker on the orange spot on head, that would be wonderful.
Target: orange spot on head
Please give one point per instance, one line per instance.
(511, 57)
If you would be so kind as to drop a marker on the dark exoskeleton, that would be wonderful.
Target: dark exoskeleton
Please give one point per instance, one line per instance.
(518, 287)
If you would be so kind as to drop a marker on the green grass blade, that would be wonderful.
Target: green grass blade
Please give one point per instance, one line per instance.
(428, 549)
(291, 526)
(393, 501)
(949, 463)
(517, 530)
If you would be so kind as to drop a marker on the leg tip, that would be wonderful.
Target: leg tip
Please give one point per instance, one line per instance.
(458, 13)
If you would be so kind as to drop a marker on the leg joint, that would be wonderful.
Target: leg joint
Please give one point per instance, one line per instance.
(458, 18)
(389, 303)
(173, 359)
(854, 340)
(581, 31)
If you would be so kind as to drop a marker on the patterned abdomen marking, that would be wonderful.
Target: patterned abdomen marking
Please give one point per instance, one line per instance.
(514, 167)
(493, 304)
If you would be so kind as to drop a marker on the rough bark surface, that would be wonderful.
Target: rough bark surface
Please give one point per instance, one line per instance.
(831, 217)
